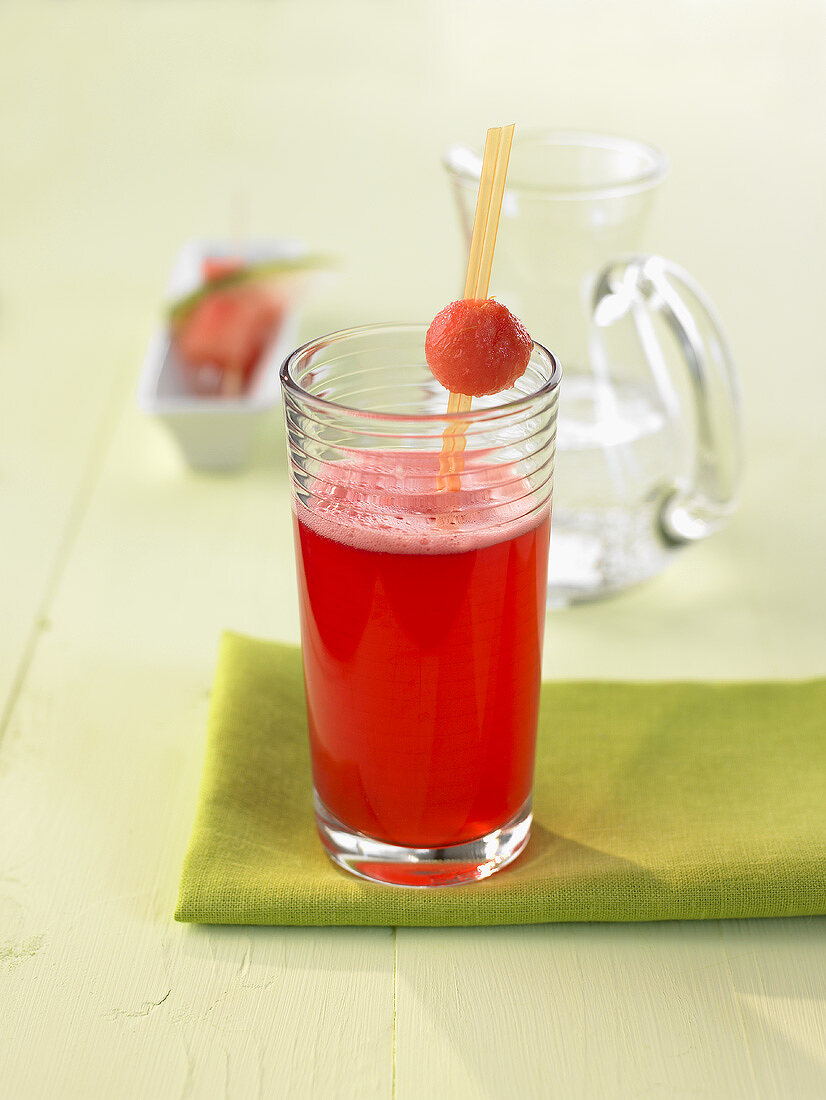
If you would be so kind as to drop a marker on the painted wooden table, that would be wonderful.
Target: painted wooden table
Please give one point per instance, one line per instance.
(127, 128)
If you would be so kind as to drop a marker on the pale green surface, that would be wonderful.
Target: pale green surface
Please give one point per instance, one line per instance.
(126, 128)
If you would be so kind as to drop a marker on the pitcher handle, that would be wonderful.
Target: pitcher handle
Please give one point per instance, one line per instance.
(651, 285)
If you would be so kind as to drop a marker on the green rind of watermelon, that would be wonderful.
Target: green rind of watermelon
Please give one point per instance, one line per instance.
(251, 273)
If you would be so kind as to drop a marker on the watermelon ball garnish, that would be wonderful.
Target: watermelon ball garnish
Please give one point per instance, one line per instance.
(477, 347)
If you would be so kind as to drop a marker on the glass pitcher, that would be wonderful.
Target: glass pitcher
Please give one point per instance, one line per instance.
(648, 447)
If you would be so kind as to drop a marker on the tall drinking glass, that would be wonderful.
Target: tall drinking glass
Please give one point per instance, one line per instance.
(422, 602)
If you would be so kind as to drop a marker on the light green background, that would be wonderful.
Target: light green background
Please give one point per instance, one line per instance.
(125, 128)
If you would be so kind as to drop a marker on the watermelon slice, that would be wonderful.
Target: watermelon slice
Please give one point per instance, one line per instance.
(221, 330)
(216, 267)
(271, 271)
(221, 339)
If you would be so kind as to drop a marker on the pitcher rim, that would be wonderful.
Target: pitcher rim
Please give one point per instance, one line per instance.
(643, 181)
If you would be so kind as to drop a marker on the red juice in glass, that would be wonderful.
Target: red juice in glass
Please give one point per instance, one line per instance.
(422, 615)
(422, 656)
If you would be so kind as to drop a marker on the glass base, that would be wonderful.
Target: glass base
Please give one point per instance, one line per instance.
(395, 865)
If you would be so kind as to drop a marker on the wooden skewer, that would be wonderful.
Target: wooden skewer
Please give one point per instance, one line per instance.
(492, 225)
(495, 159)
(493, 141)
(232, 383)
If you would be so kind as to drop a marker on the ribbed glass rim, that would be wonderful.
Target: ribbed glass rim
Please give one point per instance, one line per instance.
(643, 181)
(293, 386)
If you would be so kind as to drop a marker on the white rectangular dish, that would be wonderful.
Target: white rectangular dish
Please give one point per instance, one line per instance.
(215, 433)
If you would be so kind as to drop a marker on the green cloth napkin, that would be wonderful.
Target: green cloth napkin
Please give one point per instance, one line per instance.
(652, 801)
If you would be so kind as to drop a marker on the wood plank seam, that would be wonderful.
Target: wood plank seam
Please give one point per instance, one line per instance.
(395, 1001)
(90, 474)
